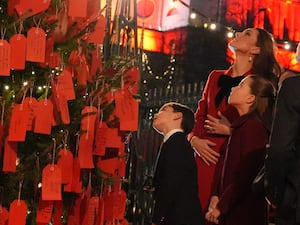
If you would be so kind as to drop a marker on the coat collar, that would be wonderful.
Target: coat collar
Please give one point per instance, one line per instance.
(242, 119)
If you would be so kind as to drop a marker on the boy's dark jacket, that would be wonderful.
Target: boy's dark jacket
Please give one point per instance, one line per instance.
(175, 182)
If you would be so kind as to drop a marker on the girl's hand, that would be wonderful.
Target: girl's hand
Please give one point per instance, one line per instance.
(213, 215)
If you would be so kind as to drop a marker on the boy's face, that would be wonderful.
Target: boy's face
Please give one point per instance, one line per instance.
(163, 119)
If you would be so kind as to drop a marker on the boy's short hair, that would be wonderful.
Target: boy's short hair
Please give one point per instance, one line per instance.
(188, 119)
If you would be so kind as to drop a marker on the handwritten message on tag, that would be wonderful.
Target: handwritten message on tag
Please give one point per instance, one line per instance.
(51, 183)
(18, 51)
(36, 45)
(4, 58)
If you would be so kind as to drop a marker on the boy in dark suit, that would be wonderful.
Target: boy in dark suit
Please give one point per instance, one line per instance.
(175, 178)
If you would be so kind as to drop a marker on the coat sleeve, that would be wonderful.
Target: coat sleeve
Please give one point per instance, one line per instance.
(281, 153)
(252, 153)
(218, 172)
(201, 111)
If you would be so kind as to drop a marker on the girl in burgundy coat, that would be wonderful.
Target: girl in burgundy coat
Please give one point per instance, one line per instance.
(232, 201)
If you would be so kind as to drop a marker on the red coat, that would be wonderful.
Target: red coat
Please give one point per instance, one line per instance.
(206, 105)
(240, 162)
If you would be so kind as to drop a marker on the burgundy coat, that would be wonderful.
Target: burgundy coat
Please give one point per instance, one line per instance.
(240, 162)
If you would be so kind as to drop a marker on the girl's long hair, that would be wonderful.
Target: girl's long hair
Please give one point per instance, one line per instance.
(265, 95)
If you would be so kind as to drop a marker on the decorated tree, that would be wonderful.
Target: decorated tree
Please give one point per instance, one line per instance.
(69, 103)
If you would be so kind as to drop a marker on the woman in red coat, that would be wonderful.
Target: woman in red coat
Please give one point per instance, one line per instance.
(254, 53)
(233, 202)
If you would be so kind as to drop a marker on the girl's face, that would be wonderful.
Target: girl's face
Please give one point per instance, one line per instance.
(245, 41)
(241, 96)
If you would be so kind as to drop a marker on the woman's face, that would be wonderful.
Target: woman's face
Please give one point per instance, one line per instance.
(245, 41)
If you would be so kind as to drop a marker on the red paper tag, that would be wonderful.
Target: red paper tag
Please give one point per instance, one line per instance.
(44, 211)
(61, 29)
(36, 45)
(82, 72)
(55, 116)
(54, 60)
(65, 85)
(92, 209)
(109, 207)
(43, 111)
(100, 217)
(18, 123)
(74, 58)
(106, 137)
(10, 156)
(1, 138)
(32, 7)
(113, 140)
(61, 105)
(48, 51)
(108, 165)
(3, 216)
(18, 51)
(11, 4)
(77, 8)
(96, 65)
(127, 110)
(119, 204)
(64, 110)
(51, 183)
(93, 8)
(124, 222)
(86, 141)
(58, 210)
(132, 77)
(121, 167)
(65, 162)
(100, 140)
(98, 34)
(74, 213)
(76, 185)
(4, 58)
(17, 213)
(30, 104)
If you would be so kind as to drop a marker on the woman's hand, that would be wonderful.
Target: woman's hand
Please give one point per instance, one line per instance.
(219, 125)
(204, 150)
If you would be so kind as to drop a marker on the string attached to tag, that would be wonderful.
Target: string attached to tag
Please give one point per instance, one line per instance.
(53, 153)
(20, 189)
(2, 111)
